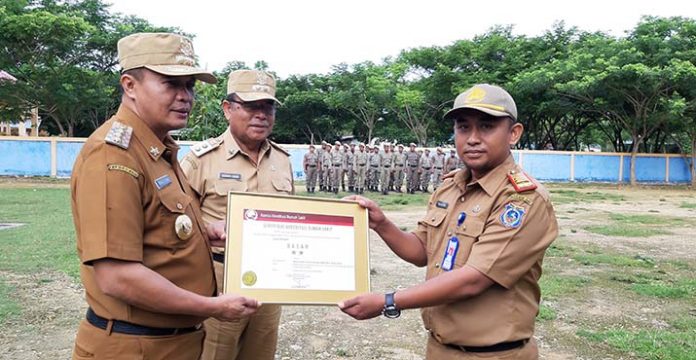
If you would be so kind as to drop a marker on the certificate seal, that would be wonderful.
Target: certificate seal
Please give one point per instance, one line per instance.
(249, 278)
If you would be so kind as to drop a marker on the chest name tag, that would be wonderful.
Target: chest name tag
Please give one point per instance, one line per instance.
(230, 176)
(450, 254)
(162, 182)
(442, 204)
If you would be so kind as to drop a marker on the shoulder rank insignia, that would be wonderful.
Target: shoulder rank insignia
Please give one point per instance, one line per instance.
(520, 181)
(205, 146)
(119, 135)
(279, 148)
(511, 217)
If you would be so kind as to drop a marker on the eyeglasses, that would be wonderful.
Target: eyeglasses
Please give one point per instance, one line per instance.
(267, 107)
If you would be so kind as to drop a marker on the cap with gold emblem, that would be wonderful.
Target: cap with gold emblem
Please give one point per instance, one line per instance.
(490, 99)
(252, 85)
(164, 53)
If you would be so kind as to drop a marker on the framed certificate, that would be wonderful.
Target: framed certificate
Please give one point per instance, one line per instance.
(296, 250)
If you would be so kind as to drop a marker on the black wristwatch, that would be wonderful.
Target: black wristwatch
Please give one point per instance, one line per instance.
(390, 309)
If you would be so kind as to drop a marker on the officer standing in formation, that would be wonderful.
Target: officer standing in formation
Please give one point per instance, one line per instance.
(326, 166)
(144, 250)
(426, 167)
(320, 171)
(310, 162)
(241, 159)
(399, 161)
(360, 166)
(375, 169)
(451, 162)
(482, 241)
(438, 166)
(385, 162)
(412, 169)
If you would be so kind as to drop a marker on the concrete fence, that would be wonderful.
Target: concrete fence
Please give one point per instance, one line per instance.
(54, 157)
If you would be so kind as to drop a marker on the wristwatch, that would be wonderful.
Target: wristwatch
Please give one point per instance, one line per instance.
(390, 309)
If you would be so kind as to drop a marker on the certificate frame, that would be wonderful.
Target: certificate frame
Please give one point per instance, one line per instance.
(239, 202)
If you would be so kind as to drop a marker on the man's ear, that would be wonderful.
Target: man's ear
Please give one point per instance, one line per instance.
(128, 83)
(516, 131)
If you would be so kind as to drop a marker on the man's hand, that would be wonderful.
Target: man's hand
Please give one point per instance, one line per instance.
(365, 306)
(216, 233)
(375, 214)
(234, 307)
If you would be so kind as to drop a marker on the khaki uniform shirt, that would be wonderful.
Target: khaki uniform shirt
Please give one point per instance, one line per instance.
(493, 242)
(348, 160)
(360, 158)
(374, 160)
(226, 168)
(439, 161)
(326, 159)
(412, 159)
(385, 159)
(337, 158)
(311, 159)
(399, 159)
(125, 201)
(451, 163)
(426, 161)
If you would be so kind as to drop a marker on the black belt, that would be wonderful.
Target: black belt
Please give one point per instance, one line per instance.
(374, 165)
(439, 168)
(311, 166)
(123, 327)
(491, 348)
(386, 166)
(362, 164)
(337, 165)
(219, 257)
(413, 165)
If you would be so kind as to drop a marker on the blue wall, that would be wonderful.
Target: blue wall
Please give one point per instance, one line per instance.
(32, 157)
(25, 158)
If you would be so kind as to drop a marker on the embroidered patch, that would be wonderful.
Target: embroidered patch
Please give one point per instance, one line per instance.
(162, 182)
(230, 176)
(442, 204)
(512, 216)
(521, 198)
(125, 169)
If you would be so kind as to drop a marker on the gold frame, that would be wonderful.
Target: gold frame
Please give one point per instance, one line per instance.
(237, 201)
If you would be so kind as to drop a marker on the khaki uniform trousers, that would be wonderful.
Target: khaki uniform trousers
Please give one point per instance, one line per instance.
(326, 171)
(251, 338)
(425, 178)
(351, 176)
(360, 172)
(384, 178)
(374, 176)
(311, 176)
(336, 176)
(437, 351)
(95, 343)
(398, 177)
(412, 181)
(437, 174)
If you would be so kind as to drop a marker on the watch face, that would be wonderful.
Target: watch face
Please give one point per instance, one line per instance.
(392, 312)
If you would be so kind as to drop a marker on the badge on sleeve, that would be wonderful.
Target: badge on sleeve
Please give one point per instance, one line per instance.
(511, 216)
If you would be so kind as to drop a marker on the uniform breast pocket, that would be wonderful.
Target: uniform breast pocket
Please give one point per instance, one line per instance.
(467, 235)
(282, 184)
(224, 186)
(434, 222)
(177, 227)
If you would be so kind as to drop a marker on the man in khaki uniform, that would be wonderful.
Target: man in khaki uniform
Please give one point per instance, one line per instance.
(360, 166)
(438, 166)
(320, 170)
(310, 163)
(385, 161)
(375, 165)
(451, 162)
(426, 167)
(326, 167)
(399, 161)
(241, 159)
(336, 167)
(143, 247)
(412, 169)
(482, 239)
(349, 162)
